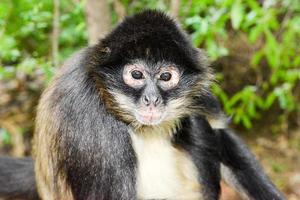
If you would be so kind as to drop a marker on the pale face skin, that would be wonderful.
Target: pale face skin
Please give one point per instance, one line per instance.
(150, 110)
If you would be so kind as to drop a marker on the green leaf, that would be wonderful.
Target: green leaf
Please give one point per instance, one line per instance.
(196, 38)
(7, 72)
(237, 14)
(269, 100)
(256, 58)
(251, 109)
(272, 50)
(5, 136)
(48, 71)
(255, 33)
(194, 22)
(246, 122)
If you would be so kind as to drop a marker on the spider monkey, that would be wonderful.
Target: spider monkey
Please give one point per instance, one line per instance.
(133, 117)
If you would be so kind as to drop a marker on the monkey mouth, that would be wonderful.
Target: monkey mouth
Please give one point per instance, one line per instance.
(149, 118)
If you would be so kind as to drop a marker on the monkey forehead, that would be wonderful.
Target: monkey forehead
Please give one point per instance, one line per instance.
(151, 25)
(151, 35)
(151, 66)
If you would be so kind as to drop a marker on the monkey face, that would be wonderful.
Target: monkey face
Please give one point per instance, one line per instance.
(150, 108)
(154, 93)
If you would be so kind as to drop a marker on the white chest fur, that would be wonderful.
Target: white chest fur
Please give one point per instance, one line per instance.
(163, 171)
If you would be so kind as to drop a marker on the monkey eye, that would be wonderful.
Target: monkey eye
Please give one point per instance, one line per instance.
(136, 74)
(169, 77)
(166, 76)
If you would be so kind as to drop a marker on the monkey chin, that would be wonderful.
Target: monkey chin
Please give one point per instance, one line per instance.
(149, 119)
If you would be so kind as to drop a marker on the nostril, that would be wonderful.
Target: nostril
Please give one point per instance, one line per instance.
(157, 101)
(146, 100)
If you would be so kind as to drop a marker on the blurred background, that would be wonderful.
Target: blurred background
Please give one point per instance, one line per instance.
(254, 47)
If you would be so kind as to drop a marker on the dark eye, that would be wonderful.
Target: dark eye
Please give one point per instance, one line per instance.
(166, 76)
(137, 74)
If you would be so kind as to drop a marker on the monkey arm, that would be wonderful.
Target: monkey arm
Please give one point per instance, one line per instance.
(199, 140)
(239, 167)
(241, 170)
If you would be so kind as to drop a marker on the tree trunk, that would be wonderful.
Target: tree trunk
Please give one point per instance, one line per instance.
(174, 8)
(119, 9)
(55, 34)
(98, 19)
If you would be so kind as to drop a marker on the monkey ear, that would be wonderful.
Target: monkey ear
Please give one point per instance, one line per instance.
(99, 54)
(105, 50)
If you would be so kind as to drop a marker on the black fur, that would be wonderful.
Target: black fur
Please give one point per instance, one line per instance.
(17, 180)
(154, 31)
(198, 139)
(245, 169)
(94, 148)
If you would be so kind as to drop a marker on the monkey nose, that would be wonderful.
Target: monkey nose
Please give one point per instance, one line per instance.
(153, 99)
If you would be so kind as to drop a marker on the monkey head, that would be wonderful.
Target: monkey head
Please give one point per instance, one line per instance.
(151, 76)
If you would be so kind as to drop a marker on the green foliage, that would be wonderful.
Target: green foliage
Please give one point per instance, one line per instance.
(275, 27)
(206, 22)
(25, 36)
(272, 28)
(5, 137)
